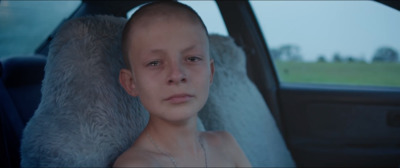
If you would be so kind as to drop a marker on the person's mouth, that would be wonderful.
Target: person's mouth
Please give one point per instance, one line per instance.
(179, 98)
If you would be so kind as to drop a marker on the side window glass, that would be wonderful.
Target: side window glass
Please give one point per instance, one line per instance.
(25, 25)
(332, 42)
(209, 13)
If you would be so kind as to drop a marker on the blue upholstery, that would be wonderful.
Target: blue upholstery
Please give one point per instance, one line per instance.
(20, 96)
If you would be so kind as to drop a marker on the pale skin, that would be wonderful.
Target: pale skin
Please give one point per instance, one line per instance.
(171, 73)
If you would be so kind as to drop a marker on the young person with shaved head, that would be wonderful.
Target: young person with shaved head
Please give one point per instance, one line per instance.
(166, 51)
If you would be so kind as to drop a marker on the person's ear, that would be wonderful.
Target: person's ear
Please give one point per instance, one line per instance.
(127, 82)
(212, 70)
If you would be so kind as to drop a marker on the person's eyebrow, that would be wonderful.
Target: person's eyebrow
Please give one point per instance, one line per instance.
(162, 52)
(157, 52)
(189, 48)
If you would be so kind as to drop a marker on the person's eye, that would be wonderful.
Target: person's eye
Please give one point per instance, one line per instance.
(194, 59)
(153, 63)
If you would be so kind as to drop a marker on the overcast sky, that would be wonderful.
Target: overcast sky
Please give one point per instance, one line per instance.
(350, 28)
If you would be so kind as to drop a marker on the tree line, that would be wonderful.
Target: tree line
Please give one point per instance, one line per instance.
(291, 52)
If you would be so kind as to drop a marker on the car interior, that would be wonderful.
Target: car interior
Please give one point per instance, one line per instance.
(285, 124)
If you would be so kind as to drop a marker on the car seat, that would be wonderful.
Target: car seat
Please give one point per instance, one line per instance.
(236, 105)
(20, 85)
(85, 118)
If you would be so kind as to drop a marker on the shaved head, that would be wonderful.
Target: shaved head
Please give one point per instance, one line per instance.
(149, 13)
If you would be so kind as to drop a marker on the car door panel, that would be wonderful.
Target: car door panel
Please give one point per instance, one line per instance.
(327, 126)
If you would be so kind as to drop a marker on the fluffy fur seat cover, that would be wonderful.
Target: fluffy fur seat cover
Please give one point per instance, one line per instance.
(86, 119)
(236, 105)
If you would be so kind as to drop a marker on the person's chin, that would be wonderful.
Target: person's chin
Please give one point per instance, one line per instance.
(182, 115)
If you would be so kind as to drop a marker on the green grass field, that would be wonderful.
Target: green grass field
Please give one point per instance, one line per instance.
(375, 74)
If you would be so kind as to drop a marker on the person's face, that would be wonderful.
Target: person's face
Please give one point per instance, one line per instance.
(171, 67)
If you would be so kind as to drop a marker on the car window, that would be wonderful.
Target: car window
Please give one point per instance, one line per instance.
(209, 13)
(26, 24)
(332, 42)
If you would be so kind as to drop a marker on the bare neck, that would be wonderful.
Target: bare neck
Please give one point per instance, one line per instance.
(175, 138)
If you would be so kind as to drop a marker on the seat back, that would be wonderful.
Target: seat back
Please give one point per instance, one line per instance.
(20, 96)
(85, 118)
(236, 105)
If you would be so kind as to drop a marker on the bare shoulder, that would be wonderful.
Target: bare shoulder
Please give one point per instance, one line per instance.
(222, 140)
(135, 157)
(218, 138)
(227, 144)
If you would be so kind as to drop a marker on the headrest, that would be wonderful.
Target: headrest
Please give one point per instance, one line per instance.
(236, 105)
(85, 118)
(23, 70)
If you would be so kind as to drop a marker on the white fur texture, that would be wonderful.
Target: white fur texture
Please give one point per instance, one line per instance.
(236, 105)
(85, 118)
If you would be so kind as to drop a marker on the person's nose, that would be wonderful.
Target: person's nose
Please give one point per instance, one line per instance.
(177, 74)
